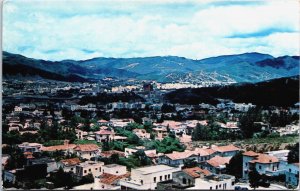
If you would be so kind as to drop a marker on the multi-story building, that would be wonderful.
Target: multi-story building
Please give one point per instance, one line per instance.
(263, 163)
(147, 177)
(89, 167)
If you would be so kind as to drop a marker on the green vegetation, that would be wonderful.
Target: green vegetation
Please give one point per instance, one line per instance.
(213, 132)
(235, 166)
(53, 143)
(293, 156)
(167, 145)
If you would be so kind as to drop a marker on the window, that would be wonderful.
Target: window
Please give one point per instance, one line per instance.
(220, 186)
(71, 168)
(259, 167)
(84, 171)
(142, 182)
(96, 168)
(166, 176)
(184, 181)
(246, 164)
(117, 172)
(232, 183)
(290, 170)
(210, 188)
(154, 179)
(90, 170)
(169, 176)
(160, 178)
(217, 187)
(100, 169)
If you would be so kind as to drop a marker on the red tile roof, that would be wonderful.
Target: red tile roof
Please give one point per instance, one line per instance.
(86, 147)
(58, 147)
(104, 132)
(250, 154)
(226, 148)
(196, 172)
(217, 161)
(71, 162)
(109, 179)
(265, 159)
(180, 155)
(108, 154)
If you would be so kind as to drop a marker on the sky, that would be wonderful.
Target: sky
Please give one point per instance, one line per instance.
(84, 29)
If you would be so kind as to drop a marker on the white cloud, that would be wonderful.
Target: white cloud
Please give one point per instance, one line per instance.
(87, 29)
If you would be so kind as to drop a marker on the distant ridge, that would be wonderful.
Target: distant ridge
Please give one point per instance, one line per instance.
(247, 67)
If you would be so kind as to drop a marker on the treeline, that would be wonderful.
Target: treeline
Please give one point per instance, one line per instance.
(279, 92)
(105, 98)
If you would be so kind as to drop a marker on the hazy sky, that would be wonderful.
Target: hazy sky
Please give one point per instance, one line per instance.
(82, 29)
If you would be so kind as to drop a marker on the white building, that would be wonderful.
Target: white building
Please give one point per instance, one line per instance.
(215, 182)
(147, 177)
(30, 147)
(89, 167)
(114, 169)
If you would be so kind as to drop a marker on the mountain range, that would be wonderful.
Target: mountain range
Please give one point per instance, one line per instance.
(247, 67)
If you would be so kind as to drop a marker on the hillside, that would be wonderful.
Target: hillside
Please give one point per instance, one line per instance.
(247, 67)
(278, 92)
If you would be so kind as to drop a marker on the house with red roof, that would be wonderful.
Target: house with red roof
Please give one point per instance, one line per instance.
(69, 165)
(104, 135)
(87, 151)
(226, 151)
(263, 163)
(216, 164)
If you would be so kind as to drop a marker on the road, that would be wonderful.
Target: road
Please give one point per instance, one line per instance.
(272, 187)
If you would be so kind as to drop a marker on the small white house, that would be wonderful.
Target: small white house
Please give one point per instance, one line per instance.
(147, 177)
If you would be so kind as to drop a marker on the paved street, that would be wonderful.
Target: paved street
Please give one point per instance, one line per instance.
(272, 187)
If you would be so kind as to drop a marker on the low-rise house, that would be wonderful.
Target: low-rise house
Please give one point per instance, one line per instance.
(130, 151)
(114, 169)
(183, 179)
(81, 134)
(66, 148)
(87, 151)
(145, 178)
(104, 135)
(216, 164)
(263, 163)
(89, 167)
(141, 133)
(160, 132)
(215, 182)
(107, 154)
(292, 175)
(177, 158)
(69, 165)
(111, 181)
(226, 151)
(30, 147)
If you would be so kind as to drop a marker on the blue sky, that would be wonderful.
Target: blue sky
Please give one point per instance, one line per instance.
(83, 29)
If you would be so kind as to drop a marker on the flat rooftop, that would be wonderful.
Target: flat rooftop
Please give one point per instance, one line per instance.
(154, 169)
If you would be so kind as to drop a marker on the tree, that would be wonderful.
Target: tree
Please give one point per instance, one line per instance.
(247, 120)
(254, 178)
(293, 156)
(235, 166)
(142, 157)
(62, 179)
(114, 158)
